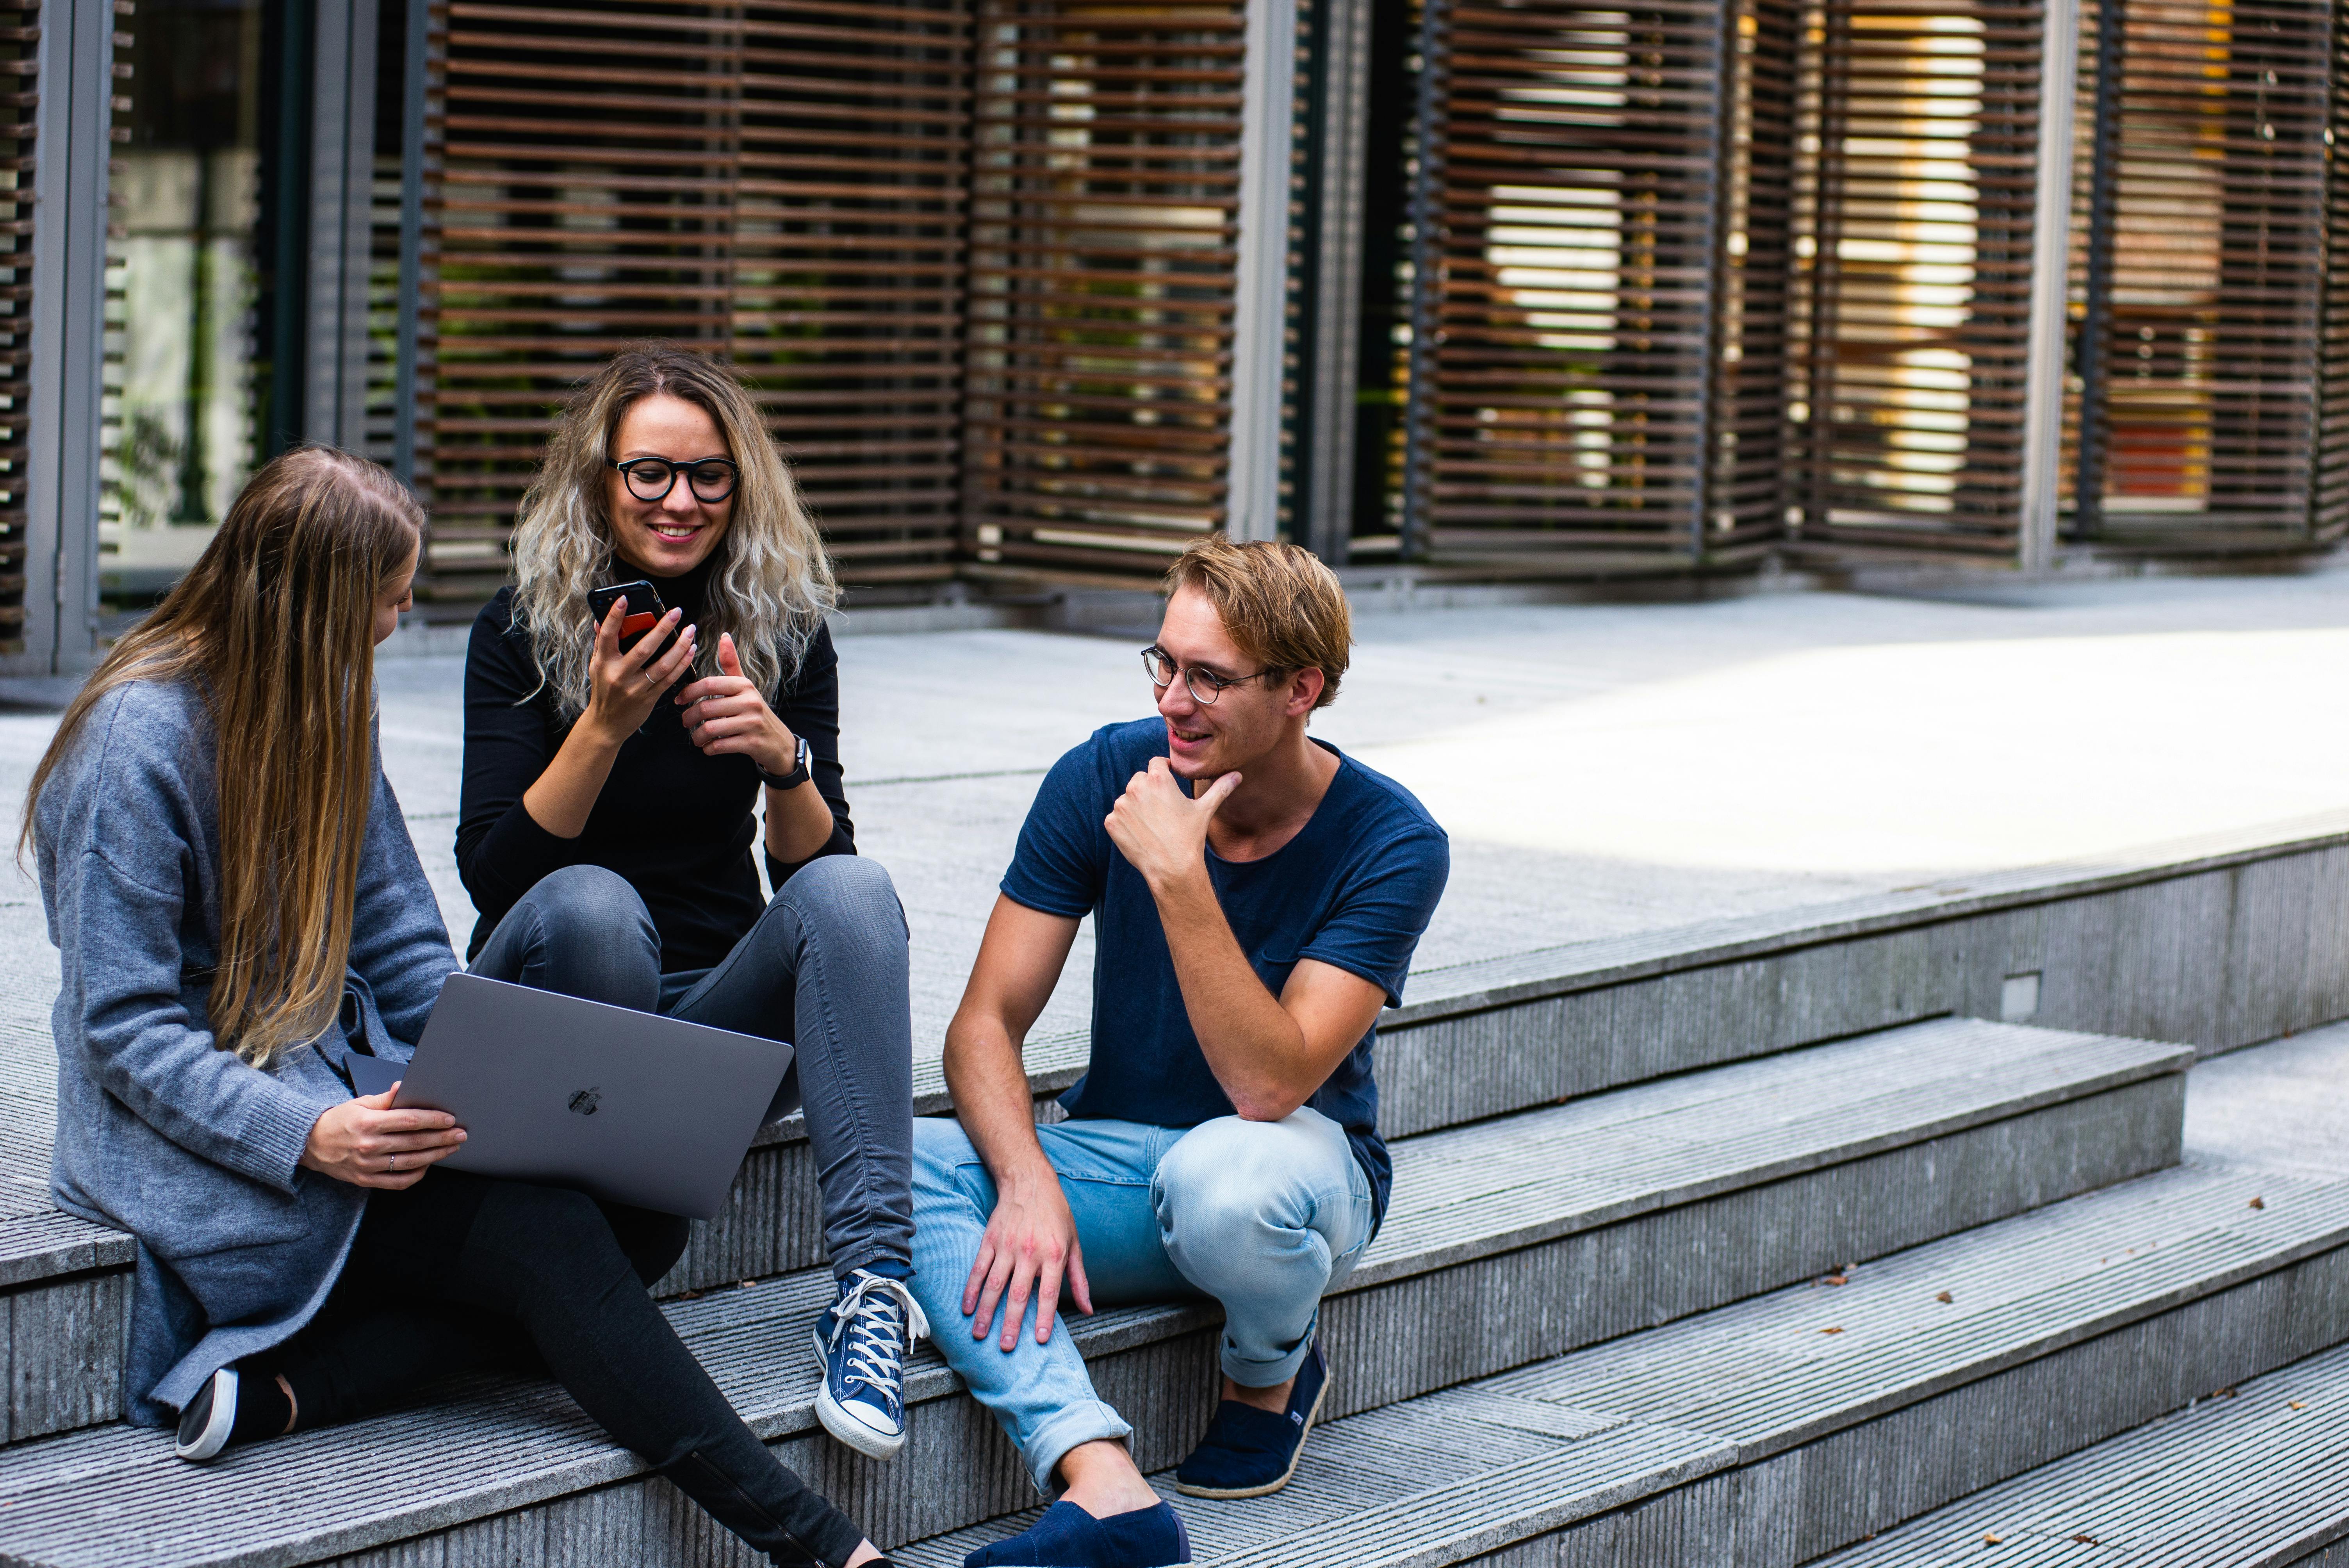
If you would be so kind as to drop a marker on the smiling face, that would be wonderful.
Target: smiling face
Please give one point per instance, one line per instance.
(1247, 720)
(671, 536)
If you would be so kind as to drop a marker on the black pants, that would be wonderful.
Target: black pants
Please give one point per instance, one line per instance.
(460, 1271)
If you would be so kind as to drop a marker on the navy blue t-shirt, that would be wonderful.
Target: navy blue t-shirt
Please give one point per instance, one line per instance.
(1354, 888)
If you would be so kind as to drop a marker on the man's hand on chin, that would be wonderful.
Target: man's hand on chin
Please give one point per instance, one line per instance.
(1160, 829)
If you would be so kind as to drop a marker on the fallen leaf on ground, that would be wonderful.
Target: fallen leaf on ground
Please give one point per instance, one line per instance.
(2298, 1405)
(1830, 1331)
(1834, 1279)
(1944, 1297)
(2085, 1539)
(1993, 1540)
(2258, 1204)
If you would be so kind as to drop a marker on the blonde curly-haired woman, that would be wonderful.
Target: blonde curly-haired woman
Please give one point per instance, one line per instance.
(239, 913)
(606, 822)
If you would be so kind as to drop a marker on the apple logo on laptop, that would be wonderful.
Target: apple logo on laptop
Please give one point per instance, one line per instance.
(584, 1102)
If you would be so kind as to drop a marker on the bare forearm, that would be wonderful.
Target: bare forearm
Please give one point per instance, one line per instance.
(799, 822)
(565, 793)
(1255, 1048)
(989, 1084)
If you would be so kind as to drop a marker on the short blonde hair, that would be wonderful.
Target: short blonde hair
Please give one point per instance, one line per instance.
(1279, 603)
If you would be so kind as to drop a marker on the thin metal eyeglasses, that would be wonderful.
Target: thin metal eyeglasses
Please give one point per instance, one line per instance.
(651, 478)
(1205, 685)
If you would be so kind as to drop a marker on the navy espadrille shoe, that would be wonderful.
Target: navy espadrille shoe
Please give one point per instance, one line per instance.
(1249, 1452)
(1069, 1537)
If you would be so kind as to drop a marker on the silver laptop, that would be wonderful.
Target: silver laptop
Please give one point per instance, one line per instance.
(628, 1106)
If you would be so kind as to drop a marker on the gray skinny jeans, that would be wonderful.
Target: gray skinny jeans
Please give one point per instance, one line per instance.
(824, 969)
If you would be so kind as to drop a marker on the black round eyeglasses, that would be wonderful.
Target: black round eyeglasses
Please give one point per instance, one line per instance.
(651, 478)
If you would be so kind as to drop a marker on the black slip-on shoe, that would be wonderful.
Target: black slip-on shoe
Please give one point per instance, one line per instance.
(210, 1417)
(1249, 1452)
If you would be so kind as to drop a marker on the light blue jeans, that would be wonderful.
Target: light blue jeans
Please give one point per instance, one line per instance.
(1261, 1216)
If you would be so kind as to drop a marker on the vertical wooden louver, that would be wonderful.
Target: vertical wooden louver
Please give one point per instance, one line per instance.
(1577, 165)
(2202, 278)
(1919, 123)
(1747, 506)
(2329, 479)
(1103, 248)
(782, 183)
(20, 34)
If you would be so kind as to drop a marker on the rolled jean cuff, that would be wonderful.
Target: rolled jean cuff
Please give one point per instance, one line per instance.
(1270, 1374)
(1091, 1421)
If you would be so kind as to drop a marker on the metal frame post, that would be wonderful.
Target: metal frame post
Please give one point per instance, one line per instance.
(342, 179)
(1268, 104)
(1426, 213)
(2092, 361)
(411, 237)
(67, 338)
(1336, 347)
(2044, 359)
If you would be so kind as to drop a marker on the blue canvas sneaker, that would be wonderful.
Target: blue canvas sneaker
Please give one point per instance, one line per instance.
(1249, 1452)
(862, 1341)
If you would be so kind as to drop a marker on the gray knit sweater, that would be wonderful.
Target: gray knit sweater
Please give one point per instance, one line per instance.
(159, 1132)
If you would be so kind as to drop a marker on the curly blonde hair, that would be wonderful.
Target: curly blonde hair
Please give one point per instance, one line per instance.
(773, 582)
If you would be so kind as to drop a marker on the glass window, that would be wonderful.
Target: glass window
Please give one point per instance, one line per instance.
(187, 366)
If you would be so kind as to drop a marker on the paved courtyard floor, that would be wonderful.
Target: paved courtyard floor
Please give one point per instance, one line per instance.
(1602, 771)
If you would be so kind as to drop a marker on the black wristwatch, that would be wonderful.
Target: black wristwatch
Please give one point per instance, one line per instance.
(802, 767)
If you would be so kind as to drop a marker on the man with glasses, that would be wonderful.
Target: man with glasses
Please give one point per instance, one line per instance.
(1257, 897)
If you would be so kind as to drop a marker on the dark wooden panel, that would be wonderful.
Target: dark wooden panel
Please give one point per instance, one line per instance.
(783, 183)
(1599, 315)
(1918, 122)
(19, 105)
(1103, 232)
(2205, 243)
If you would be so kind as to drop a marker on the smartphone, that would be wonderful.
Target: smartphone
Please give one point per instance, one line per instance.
(645, 606)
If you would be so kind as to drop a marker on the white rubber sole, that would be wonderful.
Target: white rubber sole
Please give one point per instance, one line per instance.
(206, 1445)
(843, 1426)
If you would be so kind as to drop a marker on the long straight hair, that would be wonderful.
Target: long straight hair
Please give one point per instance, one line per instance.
(274, 624)
(772, 583)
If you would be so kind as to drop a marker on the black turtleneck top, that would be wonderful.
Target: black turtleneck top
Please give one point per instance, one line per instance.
(679, 825)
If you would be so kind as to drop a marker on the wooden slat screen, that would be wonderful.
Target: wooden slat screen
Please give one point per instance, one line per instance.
(1566, 242)
(2199, 359)
(20, 35)
(1750, 490)
(1103, 246)
(1919, 121)
(783, 183)
(2329, 481)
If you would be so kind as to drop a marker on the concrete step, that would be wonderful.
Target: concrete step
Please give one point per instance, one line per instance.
(1509, 1240)
(67, 1300)
(2256, 1476)
(1768, 1432)
(2210, 941)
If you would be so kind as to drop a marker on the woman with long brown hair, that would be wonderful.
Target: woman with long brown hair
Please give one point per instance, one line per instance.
(239, 911)
(610, 800)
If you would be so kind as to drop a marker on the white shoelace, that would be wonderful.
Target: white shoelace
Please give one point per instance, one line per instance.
(877, 1335)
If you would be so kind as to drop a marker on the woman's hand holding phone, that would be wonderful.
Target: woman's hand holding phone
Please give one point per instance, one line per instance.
(725, 714)
(626, 682)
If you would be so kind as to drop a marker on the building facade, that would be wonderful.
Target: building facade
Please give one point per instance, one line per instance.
(1034, 291)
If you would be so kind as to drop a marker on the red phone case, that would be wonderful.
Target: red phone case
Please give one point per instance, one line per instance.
(631, 625)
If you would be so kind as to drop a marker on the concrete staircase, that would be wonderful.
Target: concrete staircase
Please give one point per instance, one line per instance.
(1756, 1291)
(2255, 1476)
